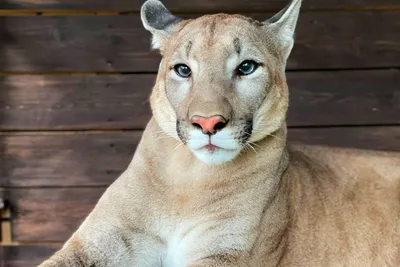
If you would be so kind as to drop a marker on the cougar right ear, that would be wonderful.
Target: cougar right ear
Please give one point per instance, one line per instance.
(283, 26)
(158, 20)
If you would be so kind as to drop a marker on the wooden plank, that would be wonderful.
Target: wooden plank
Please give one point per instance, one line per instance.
(344, 98)
(53, 214)
(121, 101)
(183, 6)
(325, 40)
(65, 159)
(97, 159)
(373, 138)
(75, 102)
(26, 256)
(50, 215)
(75, 43)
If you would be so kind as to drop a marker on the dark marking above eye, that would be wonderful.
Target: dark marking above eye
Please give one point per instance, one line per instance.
(212, 28)
(188, 48)
(236, 43)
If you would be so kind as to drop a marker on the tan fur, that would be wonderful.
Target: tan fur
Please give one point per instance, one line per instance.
(276, 205)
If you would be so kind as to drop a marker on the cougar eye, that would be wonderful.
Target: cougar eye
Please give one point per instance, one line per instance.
(247, 67)
(183, 70)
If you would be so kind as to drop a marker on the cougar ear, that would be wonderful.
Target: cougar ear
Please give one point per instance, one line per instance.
(158, 20)
(283, 26)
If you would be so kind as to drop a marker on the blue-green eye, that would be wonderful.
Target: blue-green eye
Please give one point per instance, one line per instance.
(183, 70)
(247, 67)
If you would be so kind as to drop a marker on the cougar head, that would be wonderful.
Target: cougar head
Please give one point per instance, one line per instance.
(221, 84)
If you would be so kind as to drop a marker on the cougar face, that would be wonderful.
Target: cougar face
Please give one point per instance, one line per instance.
(221, 84)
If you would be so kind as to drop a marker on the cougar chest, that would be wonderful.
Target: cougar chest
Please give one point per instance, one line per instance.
(190, 240)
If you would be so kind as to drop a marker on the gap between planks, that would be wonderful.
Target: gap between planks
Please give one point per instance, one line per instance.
(49, 12)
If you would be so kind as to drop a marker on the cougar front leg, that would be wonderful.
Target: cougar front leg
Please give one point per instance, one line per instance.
(72, 254)
(107, 247)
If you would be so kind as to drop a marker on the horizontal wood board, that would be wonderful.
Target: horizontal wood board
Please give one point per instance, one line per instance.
(97, 159)
(79, 102)
(26, 255)
(197, 5)
(75, 102)
(65, 159)
(325, 40)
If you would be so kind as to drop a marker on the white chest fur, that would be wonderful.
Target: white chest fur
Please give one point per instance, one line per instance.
(189, 241)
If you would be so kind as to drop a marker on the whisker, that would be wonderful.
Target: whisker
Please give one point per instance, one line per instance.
(249, 145)
(257, 145)
(247, 133)
(269, 134)
(178, 145)
(275, 136)
(163, 138)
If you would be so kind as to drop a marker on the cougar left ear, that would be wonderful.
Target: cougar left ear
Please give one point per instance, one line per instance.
(158, 20)
(283, 26)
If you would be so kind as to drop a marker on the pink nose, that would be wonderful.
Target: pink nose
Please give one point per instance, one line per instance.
(209, 125)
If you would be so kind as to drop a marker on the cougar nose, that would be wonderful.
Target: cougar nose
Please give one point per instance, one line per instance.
(209, 125)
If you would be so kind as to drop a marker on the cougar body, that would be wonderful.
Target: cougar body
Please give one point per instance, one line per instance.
(213, 182)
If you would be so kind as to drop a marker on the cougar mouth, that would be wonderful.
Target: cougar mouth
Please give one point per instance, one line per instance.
(219, 147)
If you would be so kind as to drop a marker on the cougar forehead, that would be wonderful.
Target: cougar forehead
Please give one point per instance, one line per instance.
(217, 26)
(217, 35)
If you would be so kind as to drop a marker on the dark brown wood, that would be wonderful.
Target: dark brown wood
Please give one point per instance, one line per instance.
(75, 102)
(121, 101)
(327, 40)
(97, 159)
(372, 138)
(50, 215)
(344, 98)
(75, 43)
(183, 5)
(64, 159)
(26, 256)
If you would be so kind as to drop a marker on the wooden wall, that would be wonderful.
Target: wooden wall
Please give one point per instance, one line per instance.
(75, 78)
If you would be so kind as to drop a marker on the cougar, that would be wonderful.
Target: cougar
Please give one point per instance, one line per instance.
(214, 183)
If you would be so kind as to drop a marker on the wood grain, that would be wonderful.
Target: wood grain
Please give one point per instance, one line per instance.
(373, 138)
(64, 159)
(76, 102)
(344, 98)
(322, 98)
(26, 256)
(194, 5)
(325, 40)
(50, 215)
(97, 159)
